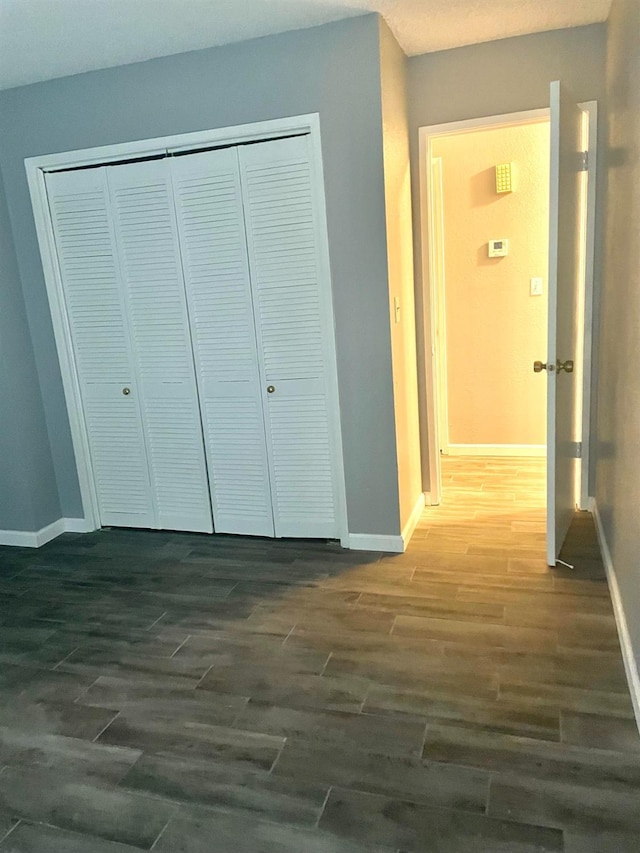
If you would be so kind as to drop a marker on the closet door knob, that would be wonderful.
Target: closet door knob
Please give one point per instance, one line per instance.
(271, 389)
(126, 391)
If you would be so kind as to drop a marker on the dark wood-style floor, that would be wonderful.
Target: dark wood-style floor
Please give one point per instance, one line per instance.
(191, 693)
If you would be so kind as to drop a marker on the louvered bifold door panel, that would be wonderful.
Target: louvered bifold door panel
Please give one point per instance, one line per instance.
(149, 252)
(214, 252)
(289, 294)
(78, 202)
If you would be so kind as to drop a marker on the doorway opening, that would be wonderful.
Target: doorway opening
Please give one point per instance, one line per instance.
(483, 300)
(490, 241)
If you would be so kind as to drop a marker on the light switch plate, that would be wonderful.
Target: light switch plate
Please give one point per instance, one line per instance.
(536, 286)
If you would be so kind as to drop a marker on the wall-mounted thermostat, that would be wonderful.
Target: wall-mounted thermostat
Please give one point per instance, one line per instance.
(498, 248)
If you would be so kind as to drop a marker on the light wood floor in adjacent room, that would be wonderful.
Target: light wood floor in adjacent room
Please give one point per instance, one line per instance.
(215, 694)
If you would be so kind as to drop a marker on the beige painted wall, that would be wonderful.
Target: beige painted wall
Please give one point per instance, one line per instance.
(494, 328)
(618, 423)
(397, 183)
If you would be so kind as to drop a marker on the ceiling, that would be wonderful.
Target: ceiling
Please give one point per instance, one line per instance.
(43, 39)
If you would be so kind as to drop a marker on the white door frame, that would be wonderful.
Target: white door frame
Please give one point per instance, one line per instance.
(428, 280)
(437, 260)
(36, 168)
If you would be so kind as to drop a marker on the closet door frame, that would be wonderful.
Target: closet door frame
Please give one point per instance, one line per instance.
(37, 167)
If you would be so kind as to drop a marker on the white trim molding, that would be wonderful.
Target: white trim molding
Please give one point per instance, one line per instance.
(590, 108)
(182, 142)
(77, 525)
(497, 450)
(628, 656)
(388, 544)
(412, 522)
(373, 542)
(37, 538)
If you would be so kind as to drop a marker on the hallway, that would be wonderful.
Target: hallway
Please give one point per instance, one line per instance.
(187, 693)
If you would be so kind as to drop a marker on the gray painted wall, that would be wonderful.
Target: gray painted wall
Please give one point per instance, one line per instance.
(618, 468)
(28, 493)
(502, 77)
(333, 70)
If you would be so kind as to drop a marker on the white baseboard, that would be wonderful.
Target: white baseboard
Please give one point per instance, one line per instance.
(412, 521)
(37, 538)
(389, 544)
(18, 538)
(77, 525)
(628, 656)
(497, 450)
(371, 542)
(51, 531)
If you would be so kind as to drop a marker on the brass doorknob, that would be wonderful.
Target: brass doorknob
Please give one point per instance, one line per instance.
(271, 389)
(126, 391)
(559, 366)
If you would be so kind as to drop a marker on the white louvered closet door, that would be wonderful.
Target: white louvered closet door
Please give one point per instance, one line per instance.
(293, 332)
(79, 207)
(149, 252)
(214, 251)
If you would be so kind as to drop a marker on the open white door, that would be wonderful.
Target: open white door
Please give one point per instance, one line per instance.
(565, 248)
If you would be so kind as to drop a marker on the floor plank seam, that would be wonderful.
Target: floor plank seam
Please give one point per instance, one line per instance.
(326, 664)
(160, 834)
(289, 634)
(277, 758)
(155, 622)
(76, 701)
(323, 807)
(428, 725)
(6, 835)
(175, 651)
(65, 658)
(204, 675)
(103, 730)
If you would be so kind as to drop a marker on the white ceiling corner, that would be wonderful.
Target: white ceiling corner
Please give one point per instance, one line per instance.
(44, 39)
